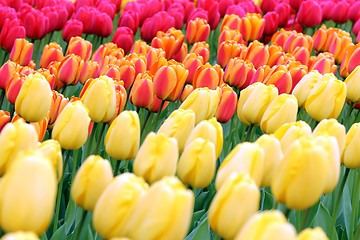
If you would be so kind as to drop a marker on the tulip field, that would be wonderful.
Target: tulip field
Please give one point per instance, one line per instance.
(179, 119)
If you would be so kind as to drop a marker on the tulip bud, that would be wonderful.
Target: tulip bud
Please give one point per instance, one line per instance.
(157, 157)
(170, 42)
(5, 118)
(197, 30)
(40, 127)
(244, 158)
(312, 234)
(20, 236)
(238, 72)
(22, 52)
(35, 93)
(79, 47)
(283, 109)
(51, 149)
(13, 87)
(253, 102)
(236, 200)
(122, 195)
(227, 104)
(93, 176)
(350, 157)
(228, 50)
(208, 76)
(353, 86)
(202, 49)
(179, 125)
(257, 54)
(57, 105)
(29, 210)
(268, 224)
(71, 126)
(123, 136)
(7, 71)
(310, 14)
(69, 69)
(318, 104)
(199, 98)
(51, 52)
(72, 28)
(304, 87)
(124, 38)
(15, 137)
(301, 164)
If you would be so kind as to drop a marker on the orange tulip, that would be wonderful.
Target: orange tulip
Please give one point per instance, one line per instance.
(197, 30)
(228, 50)
(52, 52)
(208, 76)
(170, 42)
(22, 52)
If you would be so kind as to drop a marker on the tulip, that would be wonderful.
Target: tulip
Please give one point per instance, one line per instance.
(312, 234)
(312, 9)
(79, 47)
(353, 86)
(229, 49)
(11, 30)
(208, 130)
(230, 35)
(244, 158)
(284, 10)
(191, 62)
(105, 51)
(203, 102)
(350, 158)
(161, 21)
(13, 87)
(305, 85)
(40, 127)
(72, 28)
(123, 136)
(99, 96)
(231, 21)
(238, 73)
(20, 236)
(157, 157)
(93, 176)
(5, 118)
(197, 30)
(72, 126)
(289, 132)
(318, 104)
(227, 104)
(69, 69)
(252, 26)
(22, 52)
(197, 163)
(129, 19)
(124, 38)
(271, 22)
(51, 149)
(283, 109)
(36, 23)
(116, 205)
(300, 167)
(332, 127)
(267, 225)
(158, 205)
(22, 208)
(202, 49)
(208, 76)
(236, 200)
(324, 63)
(57, 105)
(179, 125)
(7, 71)
(170, 42)
(253, 102)
(280, 77)
(142, 92)
(90, 69)
(272, 157)
(15, 137)
(257, 53)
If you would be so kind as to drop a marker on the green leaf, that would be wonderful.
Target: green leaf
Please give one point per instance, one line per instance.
(267, 200)
(201, 232)
(60, 234)
(70, 216)
(200, 200)
(323, 219)
(347, 209)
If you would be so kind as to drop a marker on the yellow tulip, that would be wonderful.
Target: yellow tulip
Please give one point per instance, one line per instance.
(203, 101)
(289, 132)
(14, 138)
(197, 163)
(353, 85)
(116, 204)
(302, 175)
(272, 157)
(209, 130)
(27, 194)
(327, 98)
(93, 176)
(163, 212)
(20, 236)
(244, 158)
(312, 234)
(253, 102)
(71, 128)
(123, 137)
(236, 200)
(34, 99)
(302, 90)
(267, 225)
(179, 125)
(282, 110)
(350, 157)
(157, 157)
(51, 149)
(99, 97)
(332, 127)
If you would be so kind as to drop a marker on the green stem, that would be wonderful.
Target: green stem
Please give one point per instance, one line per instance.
(158, 114)
(145, 121)
(305, 217)
(354, 204)
(348, 114)
(335, 208)
(100, 137)
(250, 133)
(116, 168)
(75, 161)
(80, 225)
(59, 192)
(2, 96)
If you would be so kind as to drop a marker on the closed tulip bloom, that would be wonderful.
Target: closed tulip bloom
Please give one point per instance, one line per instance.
(312, 234)
(319, 105)
(236, 200)
(297, 182)
(7, 71)
(142, 92)
(69, 69)
(93, 176)
(229, 49)
(267, 225)
(289, 132)
(13, 87)
(51, 52)
(51, 149)
(123, 136)
(20, 236)
(5, 118)
(40, 127)
(350, 157)
(252, 26)
(332, 127)
(167, 202)
(99, 96)
(15, 137)
(272, 157)
(72, 28)
(34, 99)
(280, 77)
(227, 104)
(257, 53)
(209, 130)
(310, 8)
(231, 21)
(244, 158)
(124, 38)
(353, 85)
(203, 101)
(116, 204)
(170, 42)
(21, 207)
(230, 34)
(197, 30)
(282, 110)
(58, 103)
(72, 126)
(179, 125)
(22, 52)
(202, 49)
(305, 85)
(79, 47)
(238, 73)
(207, 75)
(253, 102)
(157, 157)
